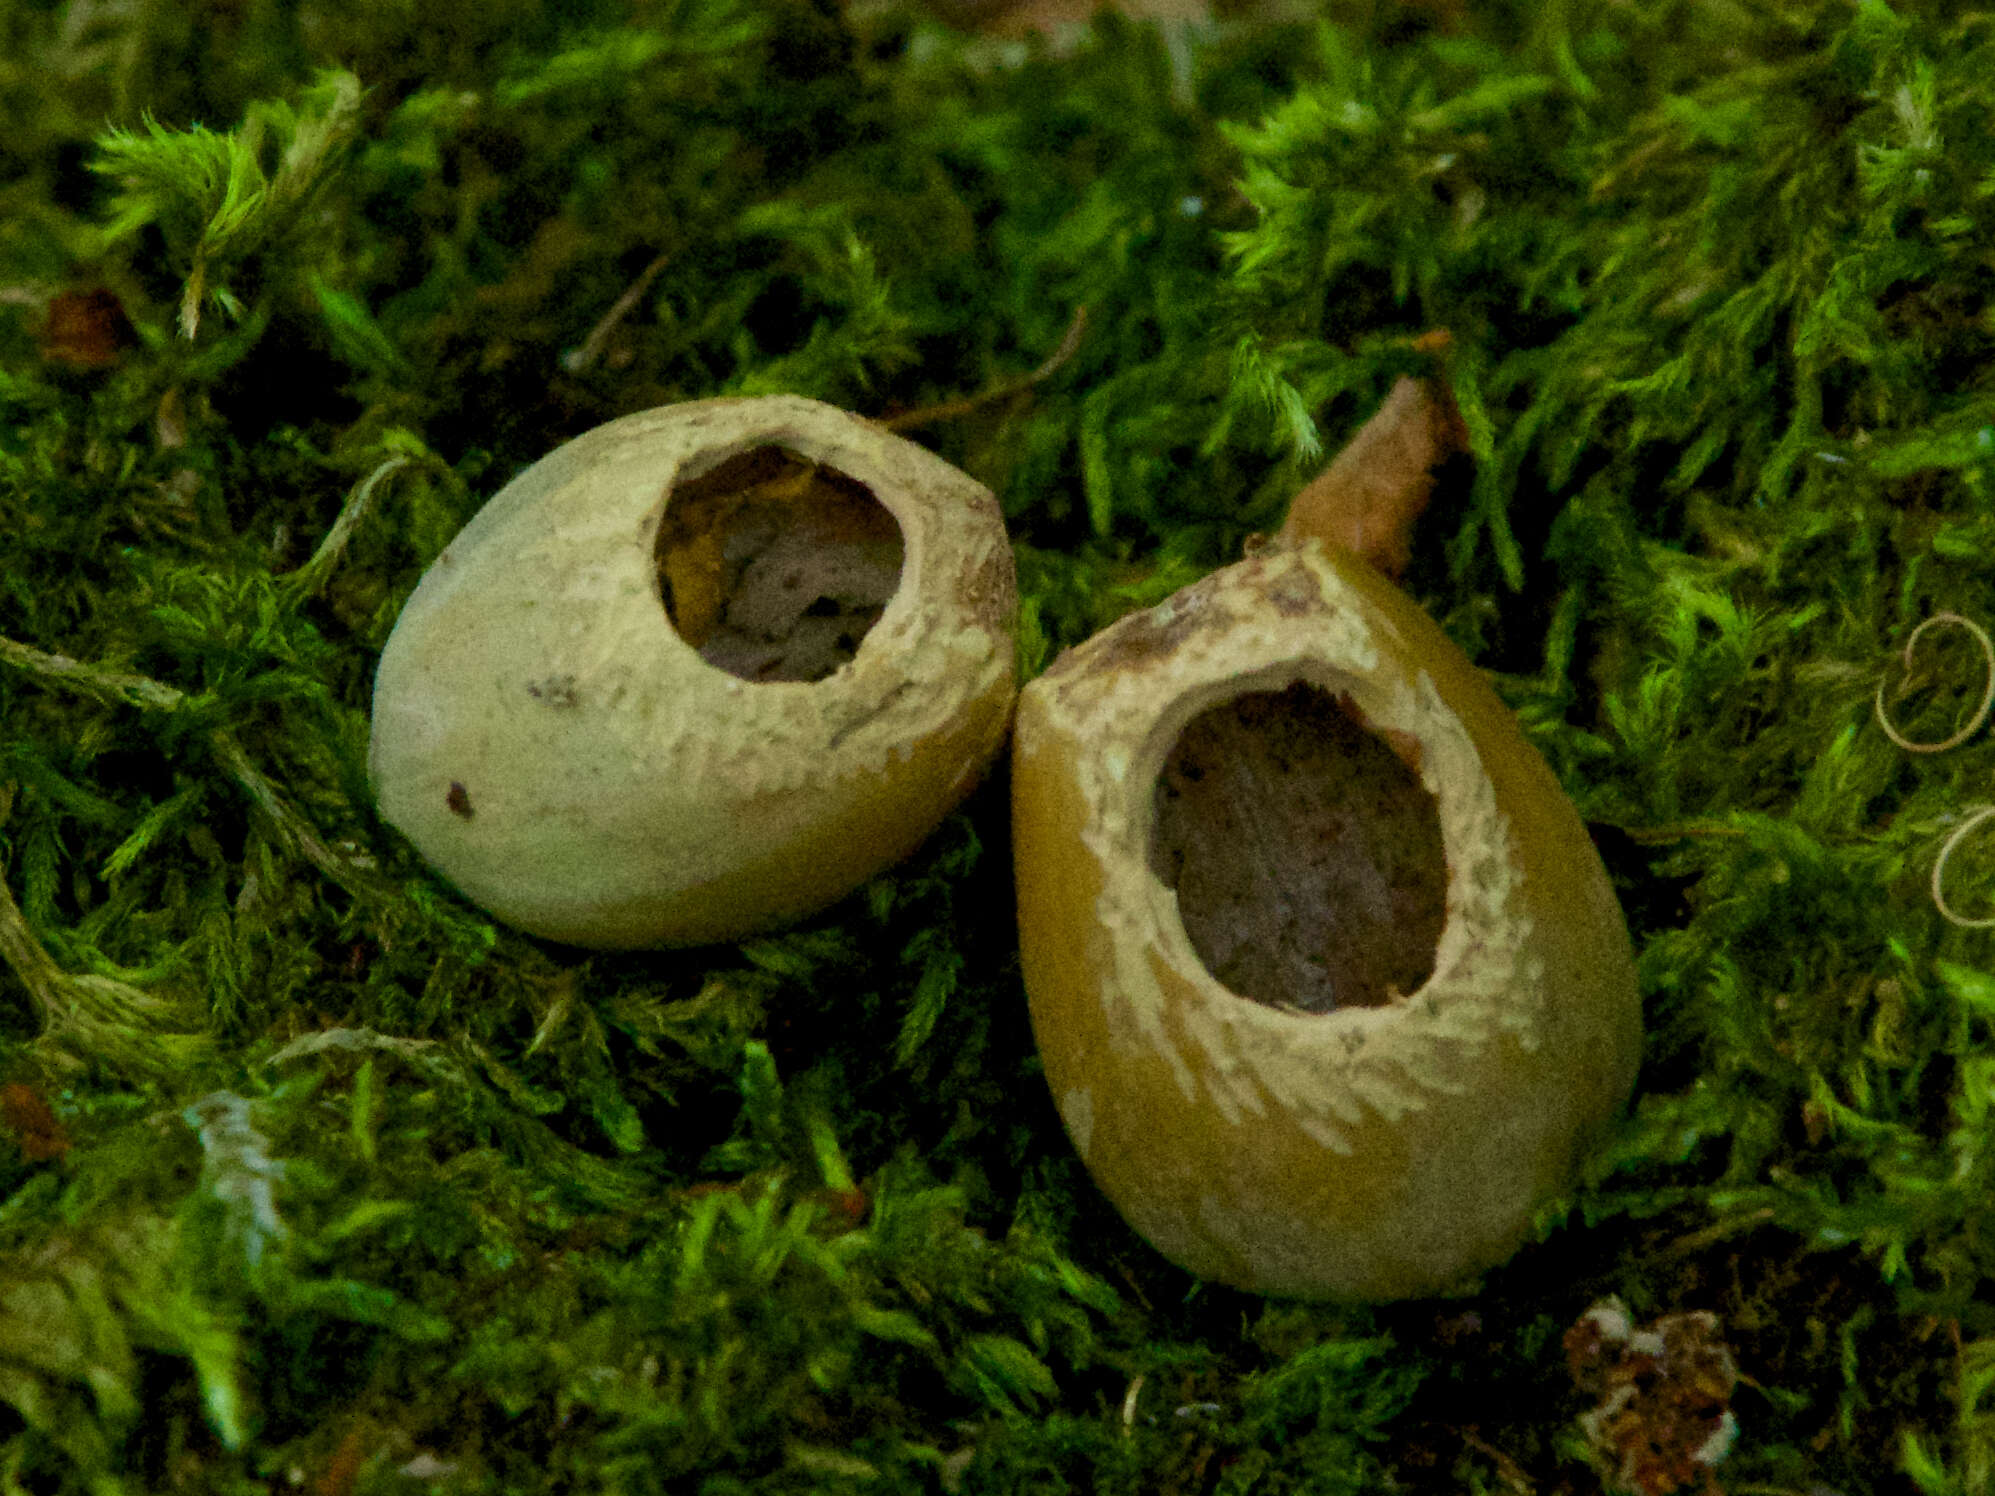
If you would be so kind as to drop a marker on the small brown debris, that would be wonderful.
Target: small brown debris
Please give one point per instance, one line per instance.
(459, 800)
(86, 330)
(26, 1114)
(358, 958)
(556, 690)
(1661, 1420)
(342, 1471)
(845, 1207)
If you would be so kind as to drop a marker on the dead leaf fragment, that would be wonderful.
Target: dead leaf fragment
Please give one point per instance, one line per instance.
(1662, 1419)
(86, 330)
(26, 1114)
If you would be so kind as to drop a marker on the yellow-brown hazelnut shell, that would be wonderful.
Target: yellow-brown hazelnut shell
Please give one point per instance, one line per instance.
(554, 747)
(1364, 1153)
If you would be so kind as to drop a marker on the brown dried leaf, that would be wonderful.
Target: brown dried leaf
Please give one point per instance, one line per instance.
(26, 1115)
(342, 1471)
(1369, 498)
(86, 330)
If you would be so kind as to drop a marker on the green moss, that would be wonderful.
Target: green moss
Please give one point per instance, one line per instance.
(337, 1177)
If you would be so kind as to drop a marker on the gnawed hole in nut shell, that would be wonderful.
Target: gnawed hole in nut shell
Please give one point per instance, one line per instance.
(1306, 855)
(774, 567)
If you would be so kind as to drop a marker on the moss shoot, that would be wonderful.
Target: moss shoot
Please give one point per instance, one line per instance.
(313, 1177)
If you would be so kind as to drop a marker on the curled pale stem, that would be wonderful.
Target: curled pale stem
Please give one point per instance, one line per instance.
(1968, 822)
(1980, 712)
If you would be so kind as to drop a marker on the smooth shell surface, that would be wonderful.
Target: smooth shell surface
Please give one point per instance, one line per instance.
(1366, 1152)
(551, 744)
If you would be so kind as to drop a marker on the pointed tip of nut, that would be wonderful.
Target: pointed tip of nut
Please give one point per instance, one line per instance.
(1375, 490)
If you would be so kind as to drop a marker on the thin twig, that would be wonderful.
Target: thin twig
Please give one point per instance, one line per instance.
(578, 360)
(1129, 1397)
(309, 578)
(1512, 1473)
(948, 410)
(1697, 1241)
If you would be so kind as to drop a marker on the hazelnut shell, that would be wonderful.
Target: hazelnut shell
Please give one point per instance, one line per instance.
(551, 744)
(1361, 1153)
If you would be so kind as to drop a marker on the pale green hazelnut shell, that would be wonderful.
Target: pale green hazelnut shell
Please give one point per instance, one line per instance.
(1366, 1153)
(553, 747)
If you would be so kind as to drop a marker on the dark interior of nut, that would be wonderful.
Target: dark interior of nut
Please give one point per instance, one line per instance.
(1305, 854)
(774, 567)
